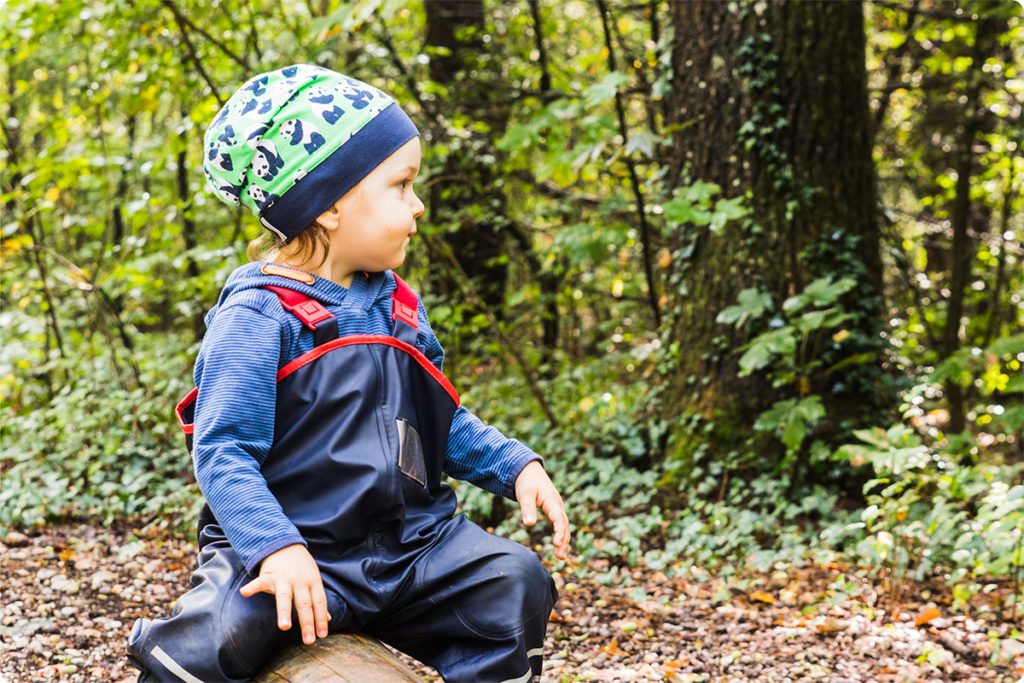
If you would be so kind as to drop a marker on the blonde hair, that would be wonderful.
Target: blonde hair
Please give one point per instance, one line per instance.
(268, 246)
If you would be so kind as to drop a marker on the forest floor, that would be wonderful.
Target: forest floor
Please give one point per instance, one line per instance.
(69, 595)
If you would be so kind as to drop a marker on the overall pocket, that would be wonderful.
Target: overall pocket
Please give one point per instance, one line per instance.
(410, 452)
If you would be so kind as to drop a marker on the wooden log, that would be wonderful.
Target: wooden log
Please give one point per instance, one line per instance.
(341, 657)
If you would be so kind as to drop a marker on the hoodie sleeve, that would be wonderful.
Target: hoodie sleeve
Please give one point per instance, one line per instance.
(477, 453)
(234, 430)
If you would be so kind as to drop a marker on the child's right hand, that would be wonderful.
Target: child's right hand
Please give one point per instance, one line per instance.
(291, 574)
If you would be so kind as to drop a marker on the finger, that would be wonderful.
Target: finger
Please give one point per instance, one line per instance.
(561, 540)
(260, 584)
(304, 608)
(320, 614)
(555, 511)
(529, 507)
(284, 606)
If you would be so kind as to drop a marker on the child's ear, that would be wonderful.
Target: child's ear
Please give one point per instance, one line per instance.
(331, 218)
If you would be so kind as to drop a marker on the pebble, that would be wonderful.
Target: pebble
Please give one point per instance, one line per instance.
(102, 579)
(15, 539)
(83, 640)
(31, 627)
(63, 584)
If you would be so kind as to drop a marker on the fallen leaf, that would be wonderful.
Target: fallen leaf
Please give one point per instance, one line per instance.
(673, 665)
(929, 614)
(830, 625)
(761, 596)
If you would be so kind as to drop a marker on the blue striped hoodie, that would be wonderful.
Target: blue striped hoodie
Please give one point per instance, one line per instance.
(249, 337)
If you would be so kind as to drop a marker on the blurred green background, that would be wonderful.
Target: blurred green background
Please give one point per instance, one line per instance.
(747, 274)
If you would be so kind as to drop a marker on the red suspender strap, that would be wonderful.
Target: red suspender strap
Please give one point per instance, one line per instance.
(186, 408)
(405, 304)
(309, 311)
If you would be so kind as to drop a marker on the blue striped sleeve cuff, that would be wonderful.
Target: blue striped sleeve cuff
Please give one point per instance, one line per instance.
(485, 457)
(253, 563)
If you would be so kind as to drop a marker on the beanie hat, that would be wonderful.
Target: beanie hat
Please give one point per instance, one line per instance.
(291, 142)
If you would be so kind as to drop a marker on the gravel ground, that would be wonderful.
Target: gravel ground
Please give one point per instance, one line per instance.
(69, 594)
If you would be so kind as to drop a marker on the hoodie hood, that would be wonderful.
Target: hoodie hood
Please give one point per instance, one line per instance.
(366, 288)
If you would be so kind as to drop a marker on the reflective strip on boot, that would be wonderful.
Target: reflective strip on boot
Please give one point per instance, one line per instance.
(528, 676)
(172, 666)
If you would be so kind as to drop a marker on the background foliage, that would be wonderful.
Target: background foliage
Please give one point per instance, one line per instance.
(560, 222)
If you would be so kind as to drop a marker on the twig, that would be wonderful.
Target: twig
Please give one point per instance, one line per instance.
(1008, 196)
(105, 302)
(468, 289)
(551, 189)
(410, 81)
(893, 68)
(253, 35)
(951, 643)
(634, 178)
(538, 34)
(183, 20)
(194, 56)
(934, 13)
(51, 309)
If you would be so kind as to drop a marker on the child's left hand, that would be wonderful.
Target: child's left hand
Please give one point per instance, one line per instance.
(533, 489)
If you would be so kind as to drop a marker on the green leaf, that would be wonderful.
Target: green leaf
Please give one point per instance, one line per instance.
(791, 417)
(605, 89)
(517, 137)
(821, 292)
(697, 192)
(765, 347)
(752, 304)
(643, 141)
(1007, 346)
(816, 320)
(727, 210)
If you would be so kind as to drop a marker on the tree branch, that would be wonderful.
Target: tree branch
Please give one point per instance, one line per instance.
(634, 178)
(934, 13)
(465, 283)
(410, 81)
(182, 20)
(538, 35)
(551, 189)
(193, 55)
(892, 69)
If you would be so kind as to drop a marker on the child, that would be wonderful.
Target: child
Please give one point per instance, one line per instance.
(322, 422)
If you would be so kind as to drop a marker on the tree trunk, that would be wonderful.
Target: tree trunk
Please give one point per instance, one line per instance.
(770, 99)
(963, 252)
(477, 244)
(340, 658)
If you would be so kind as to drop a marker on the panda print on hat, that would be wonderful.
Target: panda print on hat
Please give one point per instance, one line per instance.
(270, 137)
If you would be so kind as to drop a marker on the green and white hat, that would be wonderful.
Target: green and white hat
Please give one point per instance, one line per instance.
(291, 142)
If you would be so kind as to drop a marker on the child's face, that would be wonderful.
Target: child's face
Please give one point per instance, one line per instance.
(378, 216)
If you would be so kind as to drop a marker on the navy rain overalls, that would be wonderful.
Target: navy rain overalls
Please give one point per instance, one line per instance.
(360, 435)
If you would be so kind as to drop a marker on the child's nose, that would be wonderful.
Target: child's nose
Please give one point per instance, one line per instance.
(417, 207)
